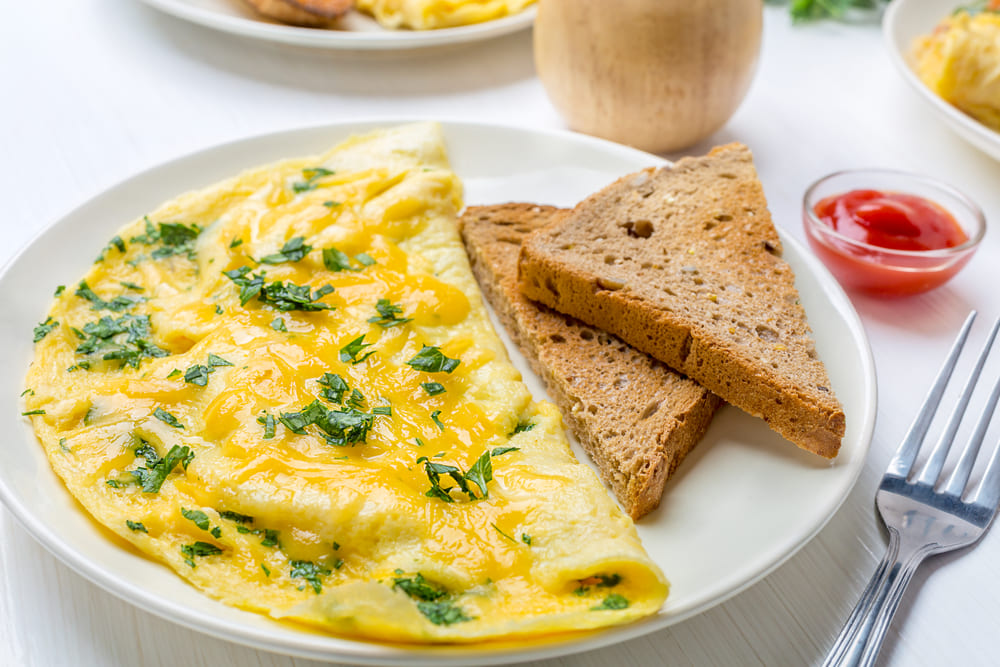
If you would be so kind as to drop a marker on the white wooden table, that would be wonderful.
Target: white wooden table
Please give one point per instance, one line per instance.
(95, 90)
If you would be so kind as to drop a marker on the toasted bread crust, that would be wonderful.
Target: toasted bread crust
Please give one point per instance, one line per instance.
(635, 418)
(310, 13)
(684, 264)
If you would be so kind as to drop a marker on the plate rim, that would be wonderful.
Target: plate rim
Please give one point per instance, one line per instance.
(972, 131)
(344, 40)
(365, 652)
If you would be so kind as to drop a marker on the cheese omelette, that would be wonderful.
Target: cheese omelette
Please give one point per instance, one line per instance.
(286, 388)
(430, 14)
(960, 62)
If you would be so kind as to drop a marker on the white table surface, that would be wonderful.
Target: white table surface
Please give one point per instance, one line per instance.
(95, 90)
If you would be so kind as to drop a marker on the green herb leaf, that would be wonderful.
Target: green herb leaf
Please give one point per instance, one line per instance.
(331, 204)
(117, 304)
(434, 418)
(136, 526)
(43, 329)
(613, 601)
(311, 572)
(132, 286)
(277, 294)
(364, 259)
(278, 324)
(236, 242)
(197, 517)
(269, 425)
(335, 386)
(59, 290)
(174, 373)
(522, 427)
(336, 427)
(497, 451)
(481, 472)
(418, 588)
(388, 315)
(167, 418)
(497, 528)
(236, 517)
(30, 413)
(349, 352)
(191, 551)
(197, 375)
(526, 538)
(156, 470)
(312, 175)
(442, 613)
(433, 388)
(124, 339)
(431, 360)
(215, 361)
(293, 251)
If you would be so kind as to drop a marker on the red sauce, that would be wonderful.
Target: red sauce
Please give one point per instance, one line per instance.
(888, 222)
(891, 220)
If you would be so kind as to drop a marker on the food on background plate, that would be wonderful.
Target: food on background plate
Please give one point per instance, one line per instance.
(391, 14)
(960, 61)
(313, 13)
(636, 418)
(286, 388)
(684, 263)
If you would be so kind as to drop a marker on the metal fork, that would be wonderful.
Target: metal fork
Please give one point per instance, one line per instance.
(924, 513)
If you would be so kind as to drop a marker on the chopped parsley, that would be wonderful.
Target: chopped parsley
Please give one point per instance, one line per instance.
(312, 175)
(432, 601)
(30, 413)
(59, 290)
(613, 601)
(293, 251)
(334, 387)
(337, 427)
(431, 360)
(115, 242)
(197, 517)
(236, 517)
(267, 571)
(434, 418)
(277, 294)
(269, 424)
(442, 613)
(522, 427)
(174, 373)
(388, 315)
(124, 339)
(497, 528)
(136, 526)
(27, 392)
(309, 571)
(278, 324)
(197, 375)
(433, 388)
(365, 259)
(167, 418)
(349, 353)
(526, 538)
(236, 242)
(498, 451)
(190, 551)
(132, 286)
(215, 361)
(175, 238)
(356, 400)
(117, 304)
(43, 329)
(151, 476)
(480, 474)
(418, 588)
(331, 203)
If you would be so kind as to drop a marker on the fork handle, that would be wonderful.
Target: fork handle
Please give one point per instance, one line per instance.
(861, 638)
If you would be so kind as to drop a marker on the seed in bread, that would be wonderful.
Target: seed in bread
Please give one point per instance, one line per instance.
(685, 264)
(636, 418)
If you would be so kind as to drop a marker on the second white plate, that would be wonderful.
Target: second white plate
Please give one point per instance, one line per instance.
(359, 33)
(743, 502)
(904, 21)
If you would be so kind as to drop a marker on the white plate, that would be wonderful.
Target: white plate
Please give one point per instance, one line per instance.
(742, 503)
(359, 33)
(904, 21)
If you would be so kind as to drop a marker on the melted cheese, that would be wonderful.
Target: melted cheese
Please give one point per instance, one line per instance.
(430, 14)
(347, 537)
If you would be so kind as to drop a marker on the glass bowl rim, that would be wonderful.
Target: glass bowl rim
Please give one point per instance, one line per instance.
(977, 214)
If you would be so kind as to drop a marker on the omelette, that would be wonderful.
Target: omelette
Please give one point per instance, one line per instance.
(431, 14)
(960, 61)
(286, 388)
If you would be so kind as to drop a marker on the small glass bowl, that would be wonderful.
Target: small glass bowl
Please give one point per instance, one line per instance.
(884, 271)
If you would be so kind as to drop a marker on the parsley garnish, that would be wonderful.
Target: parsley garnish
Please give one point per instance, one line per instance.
(334, 387)
(365, 259)
(132, 286)
(526, 538)
(235, 516)
(293, 251)
(311, 572)
(337, 427)
(331, 203)
(278, 324)
(59, 290)
(278, 295)
(197, 517)
(434, 418)
(418, 588)
(497, 451)
(433, 388)
(479, 474)
(267, 571)
(388, 315)
(156, 470)
(431, 360)
(167, 418)
(613, 601)
(198, 549)
(215, 361)
(349, 352)
(26, 392)
(123, 339)
(522, 427)
(29, 413)
(497, 528)
(136, 526)
(197, 375)
(43, 329)
(115, 242)
(335, 260)
(311, 174)
(236, 242)
(174, 373)
(267, 420)
(117, 304)
(175, 238)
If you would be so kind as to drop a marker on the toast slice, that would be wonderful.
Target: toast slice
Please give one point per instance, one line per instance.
(636, 418)
(685, 264)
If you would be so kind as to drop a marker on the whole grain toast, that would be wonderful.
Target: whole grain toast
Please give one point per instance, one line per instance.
(636, 418)
(684, 263)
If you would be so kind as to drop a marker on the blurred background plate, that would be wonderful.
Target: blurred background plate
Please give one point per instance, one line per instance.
(904, 21)
(359, 32)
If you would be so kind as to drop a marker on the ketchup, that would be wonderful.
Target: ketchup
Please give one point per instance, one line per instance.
(891, 220)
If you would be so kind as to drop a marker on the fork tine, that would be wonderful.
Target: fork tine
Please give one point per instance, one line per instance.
(960, 476)
(935, 463)
(907, 452)
(989, 489)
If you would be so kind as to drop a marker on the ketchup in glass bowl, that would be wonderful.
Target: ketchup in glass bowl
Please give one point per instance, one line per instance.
(890, 233)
